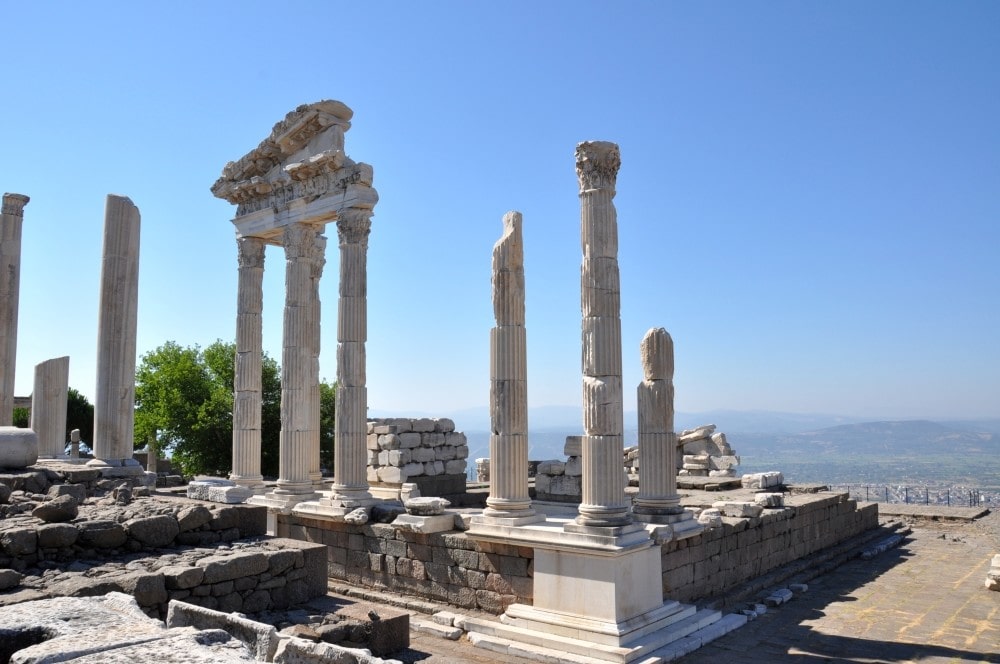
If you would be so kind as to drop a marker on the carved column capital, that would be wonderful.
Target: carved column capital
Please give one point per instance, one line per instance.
(251, 251)
(299, 240)
(318, 256)
(354, 225)
(13, 204)
(597, 164)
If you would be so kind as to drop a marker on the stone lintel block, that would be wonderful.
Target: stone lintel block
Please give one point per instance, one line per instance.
(508, 353)
(689, 435)
(602, 406)
(444, 425)
(573, 446)
(352, 319)
(509, 406)
(424, 425)
(602, 347)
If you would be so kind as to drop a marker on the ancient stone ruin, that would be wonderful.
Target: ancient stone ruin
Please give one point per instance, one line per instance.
(591, 568)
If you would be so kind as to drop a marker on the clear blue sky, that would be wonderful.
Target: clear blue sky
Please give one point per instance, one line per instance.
(808, 201)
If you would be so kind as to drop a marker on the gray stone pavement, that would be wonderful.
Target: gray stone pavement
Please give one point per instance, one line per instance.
(924, 601)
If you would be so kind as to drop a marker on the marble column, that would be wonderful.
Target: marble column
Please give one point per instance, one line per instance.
(10, 286)
(114, 406)
(350, 454)
(509, 380)
(657, 495)
(604, 503)
(247, 381)
(296, 362)
(318, 261)
(48, 406)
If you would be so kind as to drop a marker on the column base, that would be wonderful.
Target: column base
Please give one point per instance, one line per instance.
(682, 524)
(508, 519)
(253, 482)
(596, 516)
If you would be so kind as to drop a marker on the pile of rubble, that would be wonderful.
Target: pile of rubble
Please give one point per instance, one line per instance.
(704, 452)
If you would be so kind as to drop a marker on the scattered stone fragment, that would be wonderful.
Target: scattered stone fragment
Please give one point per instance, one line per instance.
(57, 510)
(770, 500)
(798, 587)
(427, 506)
(358, 517)
(710, 518)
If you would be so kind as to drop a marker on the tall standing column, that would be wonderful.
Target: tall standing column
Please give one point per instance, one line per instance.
(114, 407)
(247, 381)
(296, 362)
(48, 406)
(604, 503)
(350, 457)
(657, 441)
(10, 287)
(318, 261)
(509, 380)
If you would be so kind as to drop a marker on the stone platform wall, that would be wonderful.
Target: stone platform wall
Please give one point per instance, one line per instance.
(443, 567)
(721, 558)
(454, 568)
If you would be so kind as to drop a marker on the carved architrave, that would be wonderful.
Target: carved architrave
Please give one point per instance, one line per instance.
(597, 164)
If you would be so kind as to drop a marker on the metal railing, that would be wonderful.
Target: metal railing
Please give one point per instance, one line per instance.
(921, 495)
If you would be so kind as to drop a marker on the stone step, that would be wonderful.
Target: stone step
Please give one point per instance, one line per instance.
(556, 649)
(700, 637)
(434, 629)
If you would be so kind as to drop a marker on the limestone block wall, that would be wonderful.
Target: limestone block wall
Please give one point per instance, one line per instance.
(427, 452)
(444, 567)
(454, 568)
(562, 481)
(743, 548)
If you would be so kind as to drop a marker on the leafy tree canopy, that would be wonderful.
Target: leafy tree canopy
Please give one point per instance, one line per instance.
(184, 404)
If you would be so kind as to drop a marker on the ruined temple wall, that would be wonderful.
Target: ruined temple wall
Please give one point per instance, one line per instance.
(455, 569)
(442, 567)
(721, 558)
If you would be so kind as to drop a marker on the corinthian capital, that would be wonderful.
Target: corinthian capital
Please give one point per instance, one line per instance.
(299, 240)
(14, 204)
(597, 164)
(251, 251)
(353, 225)
(318, 256)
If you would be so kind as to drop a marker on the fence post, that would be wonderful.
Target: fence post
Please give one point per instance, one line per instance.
(906, 495)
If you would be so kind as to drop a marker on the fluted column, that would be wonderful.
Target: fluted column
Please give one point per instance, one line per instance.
(296, 362)
(48, 406)
(604, 503)
(350, 457)
(657, 440)
(247, 381)
(114, 406)
(318, 260)
(10, 287)
(509, 379)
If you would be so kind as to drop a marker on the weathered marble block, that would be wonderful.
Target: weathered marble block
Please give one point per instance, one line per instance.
(766, 480)
(18, 447)
(738, 509)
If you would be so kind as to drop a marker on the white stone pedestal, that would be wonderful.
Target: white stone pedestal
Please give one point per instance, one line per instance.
(597, 594)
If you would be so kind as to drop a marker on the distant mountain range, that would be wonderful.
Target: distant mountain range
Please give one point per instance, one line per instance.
(761, 432)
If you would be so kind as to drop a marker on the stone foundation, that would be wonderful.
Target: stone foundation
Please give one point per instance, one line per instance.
(453, 568)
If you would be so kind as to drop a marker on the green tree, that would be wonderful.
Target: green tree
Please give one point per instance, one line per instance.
(184, 403)
(22, 417)
(327, 416)
(79, 415)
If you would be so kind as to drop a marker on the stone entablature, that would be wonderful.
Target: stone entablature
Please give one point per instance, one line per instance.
(299, 173)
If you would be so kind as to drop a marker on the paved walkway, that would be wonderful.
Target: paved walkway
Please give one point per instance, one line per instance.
(924, 601)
